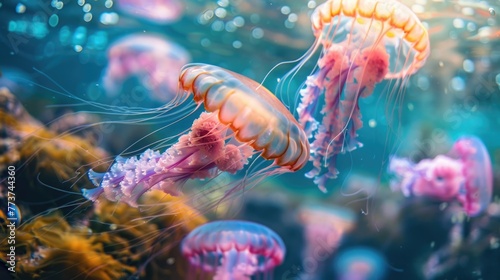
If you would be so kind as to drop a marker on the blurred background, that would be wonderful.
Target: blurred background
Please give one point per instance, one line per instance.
(62, 58)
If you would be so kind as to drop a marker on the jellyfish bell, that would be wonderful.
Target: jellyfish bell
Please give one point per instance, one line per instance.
(233, 250)
(362, 43)
(255, 115)
(360, 263)
(157, 11)
(241, 118)
(151, 59)
(477, 190)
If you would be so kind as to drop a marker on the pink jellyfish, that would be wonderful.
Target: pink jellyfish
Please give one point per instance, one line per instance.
(152, 59)
(360, 263)
(465, 175)
(324, 227)
(155, 11)
(233, 250)
(362, 42)
(242, 118)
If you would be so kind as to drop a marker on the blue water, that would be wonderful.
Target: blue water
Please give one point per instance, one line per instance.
(53, 58)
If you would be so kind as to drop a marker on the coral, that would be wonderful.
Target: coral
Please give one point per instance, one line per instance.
(148, 236)
(119, 241)
(49, 248)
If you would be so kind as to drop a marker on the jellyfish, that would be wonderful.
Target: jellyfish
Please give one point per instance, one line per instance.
(233, 250)
(152, 59)
(324, 227)
(157, 11)
(360, 263)
(241, 118)
(464, 175)
(362, 43)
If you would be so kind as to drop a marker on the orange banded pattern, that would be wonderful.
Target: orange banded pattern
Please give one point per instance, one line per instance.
(392, 16)
(255, 115)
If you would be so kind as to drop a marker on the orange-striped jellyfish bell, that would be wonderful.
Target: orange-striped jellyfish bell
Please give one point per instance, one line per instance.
(362, 42)
(242, 118)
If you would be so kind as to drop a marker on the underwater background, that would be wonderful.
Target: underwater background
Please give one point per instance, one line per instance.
(83, 82)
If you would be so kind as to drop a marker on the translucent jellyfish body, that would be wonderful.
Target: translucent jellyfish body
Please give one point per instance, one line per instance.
(362, 42)
(153, 60)
(233, 250)
(156, 11)
(324, 227)
(242, 118)
(465, 175)
(360, 263)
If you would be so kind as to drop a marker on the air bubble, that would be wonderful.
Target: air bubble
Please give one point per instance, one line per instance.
(285, 10)
(220, 12)
(237, 44)
(423, 83)
(223, 3)
(87, 7)
(468, 66)
(218, 25)
(457, 84)
(205, 42)
(257, 33)
(239, 21)
(108, 4)
(20, 8)
(372, 123)
(87, 17)
(53, 20)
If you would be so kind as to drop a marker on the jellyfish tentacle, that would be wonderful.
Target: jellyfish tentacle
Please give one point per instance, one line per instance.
(196, 155)
(242, 118)
(362, 43)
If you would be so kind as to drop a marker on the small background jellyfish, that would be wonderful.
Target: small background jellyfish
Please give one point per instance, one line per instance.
(155, 11)
(151, 59)
(243, 118)
(233, 250)
(324, 226)
(362, 43)
(360, 263)
(465, 175)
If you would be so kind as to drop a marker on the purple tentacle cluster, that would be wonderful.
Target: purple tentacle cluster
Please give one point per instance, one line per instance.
(342, 78)
(202, 153)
